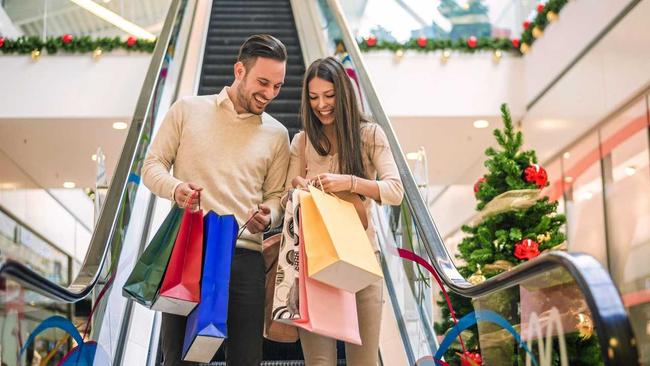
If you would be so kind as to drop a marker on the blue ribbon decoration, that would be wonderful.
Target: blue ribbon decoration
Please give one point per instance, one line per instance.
(473, 318)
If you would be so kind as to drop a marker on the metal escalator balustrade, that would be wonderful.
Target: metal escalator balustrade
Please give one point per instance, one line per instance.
(539, 289)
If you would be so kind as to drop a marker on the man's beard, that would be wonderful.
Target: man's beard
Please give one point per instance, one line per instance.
(249, 103)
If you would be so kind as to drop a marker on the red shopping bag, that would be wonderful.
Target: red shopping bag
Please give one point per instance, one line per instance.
(180, 289)
(324, 309)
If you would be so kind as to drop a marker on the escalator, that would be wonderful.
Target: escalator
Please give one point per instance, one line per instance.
(114, 325)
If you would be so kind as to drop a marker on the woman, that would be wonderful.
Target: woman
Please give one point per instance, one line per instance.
(342, 152)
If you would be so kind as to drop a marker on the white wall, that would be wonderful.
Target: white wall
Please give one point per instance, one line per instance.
(71, 85)
(466, 85)
(579, 23)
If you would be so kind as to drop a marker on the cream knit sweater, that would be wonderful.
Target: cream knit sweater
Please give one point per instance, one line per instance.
(240, 160)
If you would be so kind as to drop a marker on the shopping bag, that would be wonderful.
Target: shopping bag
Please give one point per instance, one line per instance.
(180, 289)
(147, 274)
(286, 277)
(324, 309)
(274, 331)
(207, 323)
(336, 245)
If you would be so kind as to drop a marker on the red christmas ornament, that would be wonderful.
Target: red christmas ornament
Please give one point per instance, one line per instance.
(421, 41)
(66, 38)
(516, 42)
(131, 41)
(540, 8)
(371, 41)
(536, 174)
(526, 249)
(471, 359)
(472, 42)
(2, 41)
(526, 24)
(477, 185)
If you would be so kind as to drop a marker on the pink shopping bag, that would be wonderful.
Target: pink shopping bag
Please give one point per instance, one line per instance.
(324, 309)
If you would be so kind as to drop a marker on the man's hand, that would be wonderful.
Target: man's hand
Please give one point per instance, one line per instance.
(261, 219)
(186, 195)
(329, 182)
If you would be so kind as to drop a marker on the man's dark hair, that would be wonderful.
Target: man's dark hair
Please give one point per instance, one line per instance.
(261, 45)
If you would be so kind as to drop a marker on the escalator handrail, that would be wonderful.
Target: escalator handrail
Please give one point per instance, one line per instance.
(107, 225)
(615, 333)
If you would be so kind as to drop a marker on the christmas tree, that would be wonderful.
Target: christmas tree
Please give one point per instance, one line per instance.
(514, 224)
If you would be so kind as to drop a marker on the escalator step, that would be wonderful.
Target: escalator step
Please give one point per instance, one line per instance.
(247, 32)
(237, 41)
(232, 58)
(222, 70)
(277, 363)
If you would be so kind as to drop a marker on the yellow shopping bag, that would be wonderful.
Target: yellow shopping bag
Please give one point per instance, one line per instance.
(337, 248)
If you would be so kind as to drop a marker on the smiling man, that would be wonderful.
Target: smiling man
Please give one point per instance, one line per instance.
(227, 151)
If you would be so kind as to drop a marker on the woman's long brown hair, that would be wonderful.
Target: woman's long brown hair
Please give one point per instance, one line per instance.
(347, 116)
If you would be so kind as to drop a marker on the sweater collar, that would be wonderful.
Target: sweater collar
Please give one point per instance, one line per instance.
(223, 101)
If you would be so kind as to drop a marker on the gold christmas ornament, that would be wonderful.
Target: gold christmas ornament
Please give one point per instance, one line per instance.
(551, 16)
(496, 56)
(444, 56)
(500, 265)
(524, 48)
(585, 326)
(477, 277)
(537, 32)
(398, 55)
(543, 237)
(36, 54)
(97, 53)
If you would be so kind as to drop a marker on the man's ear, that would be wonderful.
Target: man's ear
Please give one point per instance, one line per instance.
(240, 70)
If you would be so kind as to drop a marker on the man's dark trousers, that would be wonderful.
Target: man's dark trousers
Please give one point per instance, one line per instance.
(245, 316)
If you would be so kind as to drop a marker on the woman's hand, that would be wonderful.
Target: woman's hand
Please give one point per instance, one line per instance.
(333, 182)
(299, 182)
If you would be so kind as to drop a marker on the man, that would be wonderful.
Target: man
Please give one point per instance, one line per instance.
(233, 157)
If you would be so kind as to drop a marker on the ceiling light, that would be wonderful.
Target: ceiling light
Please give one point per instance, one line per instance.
(630, 170)
(8, 186)
(567, 155)
(69, 185)
(114, 19)
(481, 123)
(568, 179)
(413, 156)
(120, 125)
(94, 157)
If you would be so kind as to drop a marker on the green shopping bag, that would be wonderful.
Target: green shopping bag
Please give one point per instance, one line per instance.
(144, 281)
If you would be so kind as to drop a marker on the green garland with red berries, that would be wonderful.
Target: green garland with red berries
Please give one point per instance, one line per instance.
(546, 13)
(70, 44)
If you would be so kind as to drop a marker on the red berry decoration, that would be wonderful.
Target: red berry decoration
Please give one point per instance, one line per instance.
(371, 41)
(540, 8)
(66, 38)
(536, 174)
(478, 183)
(472, 42)
(526, 249)
(471, 359)
(131, 41)
(421, 41)
(516, 42)
(526, 24)
(2, 41)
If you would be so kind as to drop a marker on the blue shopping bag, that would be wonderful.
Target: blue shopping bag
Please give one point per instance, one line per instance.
(206, 325)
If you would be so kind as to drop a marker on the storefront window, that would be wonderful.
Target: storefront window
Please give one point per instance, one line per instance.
(626, 156)
(584, 199)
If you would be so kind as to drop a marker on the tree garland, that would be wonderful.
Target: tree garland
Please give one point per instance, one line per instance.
(70, 44)
(546, 13)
